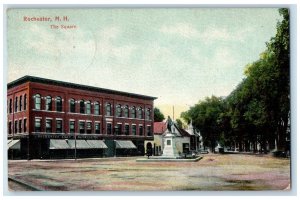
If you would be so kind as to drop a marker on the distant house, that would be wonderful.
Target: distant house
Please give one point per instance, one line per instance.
(186, 140)
(159, 129)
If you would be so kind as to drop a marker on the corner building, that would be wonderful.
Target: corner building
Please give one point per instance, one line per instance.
(54, 119)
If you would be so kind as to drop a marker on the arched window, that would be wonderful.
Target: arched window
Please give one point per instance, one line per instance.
(140, 113)
(72, 105)
(126, 111)
(37, 102)
(82, 107)
(119, 111)
(48, 103)
(148, 114)
(25, 102)
(58, 104)
(10, 105)
(88, 107)
(20, 103)
(97, 108)
(133, 112)
(16, 104)
(108, 109)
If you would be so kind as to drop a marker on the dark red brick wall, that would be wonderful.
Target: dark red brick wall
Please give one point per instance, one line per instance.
(65, 93)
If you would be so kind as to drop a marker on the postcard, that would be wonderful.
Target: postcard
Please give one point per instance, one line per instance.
(148, 99)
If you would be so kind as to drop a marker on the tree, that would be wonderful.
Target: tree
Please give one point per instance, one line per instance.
(158, 116)
(179, 123)
(205, 116)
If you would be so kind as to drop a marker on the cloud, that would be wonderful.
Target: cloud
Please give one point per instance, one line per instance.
(181, 29)
(207, 34)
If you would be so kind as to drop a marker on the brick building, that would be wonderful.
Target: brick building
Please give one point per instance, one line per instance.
(48, 119)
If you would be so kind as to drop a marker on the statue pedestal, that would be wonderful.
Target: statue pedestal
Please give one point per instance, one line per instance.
(170, 150)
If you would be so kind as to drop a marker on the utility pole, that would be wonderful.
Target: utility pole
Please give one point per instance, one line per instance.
(173, 112)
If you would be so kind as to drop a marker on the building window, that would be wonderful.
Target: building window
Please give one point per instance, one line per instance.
(126, 111)
(37, 102)
(20, 103)
(20, 126)
(82, 107)
(108, 109)
(133, 129)
(58, 126)
(72, 126)
(72, 105)
(16, 126)
(58, 104)
(37, 125)
(108, 129)
(97, 108)
(168, 142)
(140, 113)
(16, 104)
(10, 105)
(25, 125)
(97, 128)
(9, 128)
(141, 130)
(88, 107)
(118, 129)
(81, 127)
(149, 131)
(126, 129)
(25, 102)
(133, 112)
(89, 127)
(49, 103)
(148, 114)
(119, 111)
(48, 125)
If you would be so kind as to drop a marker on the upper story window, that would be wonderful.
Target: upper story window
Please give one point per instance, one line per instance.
(119, 111)
(88, 107)
(72, 105)
(16, 104)
(97, 128)
(10, 105)
(48, 103)
(149, 131)
(59, 126)
(126, 111)
(133, 112)
(81, 127)
(25, 102)
(108, 109)
(16, 126)
(20, 103)
(82, 106)
(97, 108)
(37, 102)
(72, 126)
(89, 127)
(48, 125)
(148, 114)
(58, 104)
(140, 113)
(37, 125)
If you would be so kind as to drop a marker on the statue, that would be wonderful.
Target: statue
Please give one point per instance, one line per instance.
(169, 123)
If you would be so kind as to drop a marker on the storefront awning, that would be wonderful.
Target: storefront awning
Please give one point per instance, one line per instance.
(58, 144)
(80, 144)
(14, 144)
(96, 144)
(125, 144)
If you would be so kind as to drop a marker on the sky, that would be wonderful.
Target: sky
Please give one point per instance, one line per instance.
(180, 55)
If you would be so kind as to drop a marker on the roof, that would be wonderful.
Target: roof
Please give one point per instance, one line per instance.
(159, 128)
(34, 79)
